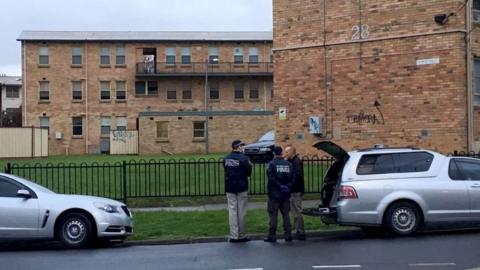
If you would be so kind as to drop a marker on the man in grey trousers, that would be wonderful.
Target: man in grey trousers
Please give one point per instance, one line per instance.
(237, 170)
(298, 189)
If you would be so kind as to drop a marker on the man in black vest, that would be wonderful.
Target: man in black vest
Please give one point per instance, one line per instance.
(237, 170)
(280, 182)
(298, 189)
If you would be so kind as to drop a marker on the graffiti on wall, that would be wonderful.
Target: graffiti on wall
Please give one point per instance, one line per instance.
(363, 117)
(122, 136)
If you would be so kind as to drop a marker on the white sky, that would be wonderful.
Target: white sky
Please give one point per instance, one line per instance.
(124, 15)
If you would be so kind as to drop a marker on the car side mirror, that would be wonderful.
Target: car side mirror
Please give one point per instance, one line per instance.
(23, 193)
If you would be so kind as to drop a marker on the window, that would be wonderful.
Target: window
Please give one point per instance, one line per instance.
(77, 90)
(77, 126)
(120, 55)
(12, 91)
(105, 90)
(375, 164)
(253, 55)
(45, 123)
(187, 92)
(146, 88)
(44, 91)
(395, 163)
(121, 123)
(238, 56)
(162, 130)
(105, 124)
(476, 4)
(186, 56)
(413, 162)
(239, 91)
(466, 169)
(199, 129)
(105, 56)
(76, 56)
(477, 83)
(8, 189)
(170, 56)
(121, 90)
(214, 92)
(254, 93)
(43, 56)
(213, 55)
(171, 92)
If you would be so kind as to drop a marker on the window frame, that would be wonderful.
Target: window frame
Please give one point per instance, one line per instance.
(77, 55)
(394, 168)
(76, 90)
(118, 123)
(198, 129)
(40, 90)
(157, 125)
(105, 56)
(120, 58)
(77, 125)
(9, 89)
(238, 57)
(102, 126)
(254, 88)
(170, 55)
(117, 83)
(239, 88)
(43, 55)
(48, 122)
(253, 58)
(214, 89)
(102, 90)
(169, 90)
(186, 57)
(187, 89)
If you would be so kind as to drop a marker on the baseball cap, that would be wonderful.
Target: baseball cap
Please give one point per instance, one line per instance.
(237, 143)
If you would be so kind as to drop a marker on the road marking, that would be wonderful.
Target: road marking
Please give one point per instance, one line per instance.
(247, 269)
(432, 264)
(336, 266)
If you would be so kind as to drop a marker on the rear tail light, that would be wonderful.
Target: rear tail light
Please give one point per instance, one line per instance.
(347, 193)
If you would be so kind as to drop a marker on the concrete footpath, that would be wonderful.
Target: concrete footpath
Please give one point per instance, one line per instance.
(213, 207)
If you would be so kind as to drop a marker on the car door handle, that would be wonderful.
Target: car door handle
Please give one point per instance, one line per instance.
(475, 186)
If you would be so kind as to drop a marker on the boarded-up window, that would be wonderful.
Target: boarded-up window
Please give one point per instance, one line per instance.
(162, 130)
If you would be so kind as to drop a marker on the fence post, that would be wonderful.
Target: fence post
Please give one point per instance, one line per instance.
(124, 180)
(8, 169)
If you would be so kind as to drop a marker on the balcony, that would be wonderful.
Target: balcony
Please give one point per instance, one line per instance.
(222, 69)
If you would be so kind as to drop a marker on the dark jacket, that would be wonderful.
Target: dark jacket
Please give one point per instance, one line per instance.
(280, 173)
(237, 170)
(299, 182)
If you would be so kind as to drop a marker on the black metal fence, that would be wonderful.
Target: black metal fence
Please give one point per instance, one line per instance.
(154, 178)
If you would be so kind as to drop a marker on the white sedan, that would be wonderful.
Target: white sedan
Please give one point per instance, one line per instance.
(30, 211)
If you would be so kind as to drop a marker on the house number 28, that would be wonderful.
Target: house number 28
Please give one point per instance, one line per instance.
(360, 32)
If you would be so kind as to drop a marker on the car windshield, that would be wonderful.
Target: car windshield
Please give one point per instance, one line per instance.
(34, 186)
(269, 136)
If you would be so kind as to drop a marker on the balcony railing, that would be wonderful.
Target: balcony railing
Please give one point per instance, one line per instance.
(199, 69)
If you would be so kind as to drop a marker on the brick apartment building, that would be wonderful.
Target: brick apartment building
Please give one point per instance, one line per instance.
(396, 72)
(10, 101)
(184, 91)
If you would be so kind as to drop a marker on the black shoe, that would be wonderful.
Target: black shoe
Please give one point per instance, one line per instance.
(232, 240)
(301, 237)
(243, 240)
(288, 239)
(270, 239)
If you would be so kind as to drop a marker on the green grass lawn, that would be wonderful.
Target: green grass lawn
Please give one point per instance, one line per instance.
(166, 177)
(187, 225)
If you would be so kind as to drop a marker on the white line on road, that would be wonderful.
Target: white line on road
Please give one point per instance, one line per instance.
(336, 266)
(247, 269)
(432, 264)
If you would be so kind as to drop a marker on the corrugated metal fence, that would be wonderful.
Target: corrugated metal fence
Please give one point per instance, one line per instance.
(23, 142)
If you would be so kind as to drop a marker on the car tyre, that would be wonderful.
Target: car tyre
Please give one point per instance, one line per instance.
(403, 218)
(75, 231)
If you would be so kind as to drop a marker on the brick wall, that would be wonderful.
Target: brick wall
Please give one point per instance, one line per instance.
(417, 105)
(60, 74)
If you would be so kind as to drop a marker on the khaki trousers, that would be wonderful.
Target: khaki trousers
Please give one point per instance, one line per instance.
(237, 210)
(296, 207)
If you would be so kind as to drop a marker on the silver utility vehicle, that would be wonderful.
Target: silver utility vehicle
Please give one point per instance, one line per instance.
(400, 189)
(30, 211)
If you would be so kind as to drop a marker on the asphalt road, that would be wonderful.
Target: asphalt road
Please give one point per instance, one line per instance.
(458, 250)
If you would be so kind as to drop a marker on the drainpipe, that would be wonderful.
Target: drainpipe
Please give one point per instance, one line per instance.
(469, 59)
(24, 83)
(86, 97)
